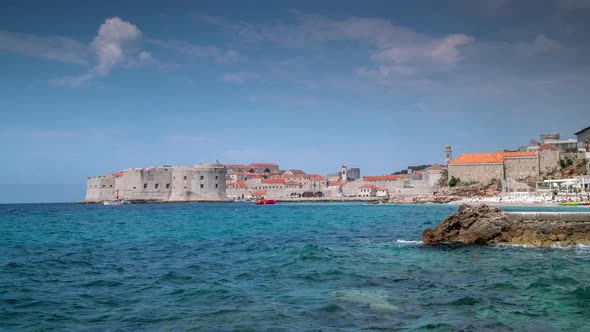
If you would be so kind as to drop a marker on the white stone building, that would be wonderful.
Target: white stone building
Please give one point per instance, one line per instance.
(202, 182)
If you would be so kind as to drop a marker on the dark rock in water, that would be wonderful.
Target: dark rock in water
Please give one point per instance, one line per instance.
(483, 224)
(472, 225)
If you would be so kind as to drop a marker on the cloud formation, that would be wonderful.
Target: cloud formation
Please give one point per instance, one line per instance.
(395, 49)
(193, 50)
(54, 48)
(116, 44)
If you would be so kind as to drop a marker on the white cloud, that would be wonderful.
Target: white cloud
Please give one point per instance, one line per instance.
(193, 50)
(51, 48)
(116, 44)
(239, 77)
(395, 49)
(540, 44)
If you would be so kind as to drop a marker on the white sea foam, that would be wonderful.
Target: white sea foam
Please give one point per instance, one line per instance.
(400, 241)
(554, 246)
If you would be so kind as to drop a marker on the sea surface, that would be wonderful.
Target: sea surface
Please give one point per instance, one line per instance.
(287, 267)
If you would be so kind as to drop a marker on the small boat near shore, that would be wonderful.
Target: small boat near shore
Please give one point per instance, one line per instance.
(116, 201)
(264, 201)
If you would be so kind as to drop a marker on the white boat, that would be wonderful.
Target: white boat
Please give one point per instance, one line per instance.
(116, 201)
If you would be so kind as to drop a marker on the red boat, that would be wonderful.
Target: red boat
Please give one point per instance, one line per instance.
(262, 201)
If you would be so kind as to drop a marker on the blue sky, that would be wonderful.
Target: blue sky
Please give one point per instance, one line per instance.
(89, 88)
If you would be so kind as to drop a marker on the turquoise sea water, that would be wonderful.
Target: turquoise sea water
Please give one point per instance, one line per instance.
(298, 266)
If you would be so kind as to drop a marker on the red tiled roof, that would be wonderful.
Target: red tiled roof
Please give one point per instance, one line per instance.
(547, 147)
(237, 184)
(366, 186)
(382, 177)
(255, 165)
(295, 171)
(259, 193)
(117, 174)
(435, 167)
(280, 180)
(316, 177)
(488, 158)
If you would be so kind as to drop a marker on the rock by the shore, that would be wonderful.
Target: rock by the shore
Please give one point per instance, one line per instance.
(488, 225)
(424, 199)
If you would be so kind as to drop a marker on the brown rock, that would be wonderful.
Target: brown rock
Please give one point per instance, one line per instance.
(483, 224)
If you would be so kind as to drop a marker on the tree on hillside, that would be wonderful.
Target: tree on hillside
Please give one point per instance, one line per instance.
(444, 179)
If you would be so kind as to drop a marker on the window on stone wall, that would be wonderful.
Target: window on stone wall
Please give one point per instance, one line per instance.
(216, 177)
(134, 188)
(216, 185)
(185, 177)
(156, 185)
(145, 186)
(103, 186)
(202, 177)
(202, 185)
(167, 185)
(111, 185)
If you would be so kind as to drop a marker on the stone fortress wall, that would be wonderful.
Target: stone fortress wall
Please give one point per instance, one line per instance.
(482, 173)
(202, 182)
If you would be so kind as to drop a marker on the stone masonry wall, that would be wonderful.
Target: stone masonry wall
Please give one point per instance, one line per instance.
(548, 161)
(178, 183)
(482, 173)
(518, 168)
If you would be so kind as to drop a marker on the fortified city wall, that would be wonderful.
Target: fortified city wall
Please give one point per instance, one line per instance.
(520, 167)
(482, 173)
(203, 182)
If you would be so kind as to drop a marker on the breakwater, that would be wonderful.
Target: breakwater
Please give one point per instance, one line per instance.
(483, 225)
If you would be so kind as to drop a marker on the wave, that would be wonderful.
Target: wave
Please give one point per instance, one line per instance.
(400, 241)
(555, 246)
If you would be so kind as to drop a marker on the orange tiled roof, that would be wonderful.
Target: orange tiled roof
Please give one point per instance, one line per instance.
(280, 180)
(255, 165)
(118, 174)
(435, 167)
(547, 147)
(335, 183)
(372, 186)
(237, 184)
(259, 193)
(382, 177)
(295, 171)
(305, 176)
(488, 158)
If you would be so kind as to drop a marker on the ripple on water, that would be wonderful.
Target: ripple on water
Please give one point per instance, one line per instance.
(289, 267)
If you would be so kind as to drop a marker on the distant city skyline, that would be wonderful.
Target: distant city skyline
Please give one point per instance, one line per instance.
(88, 88)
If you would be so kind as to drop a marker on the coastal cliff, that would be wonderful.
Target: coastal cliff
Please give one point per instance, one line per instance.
(489, 225)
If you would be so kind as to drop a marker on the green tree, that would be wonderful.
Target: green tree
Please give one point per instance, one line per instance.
(444, 179)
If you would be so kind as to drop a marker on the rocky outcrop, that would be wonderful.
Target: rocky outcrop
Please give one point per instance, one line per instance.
(486, 225)
(424, 199)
